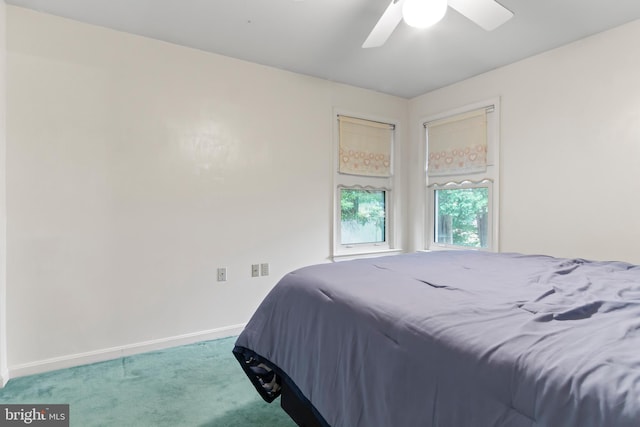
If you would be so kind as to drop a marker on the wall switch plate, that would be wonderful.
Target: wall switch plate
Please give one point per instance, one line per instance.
(255, 270)
(264, 269)
(222, 274)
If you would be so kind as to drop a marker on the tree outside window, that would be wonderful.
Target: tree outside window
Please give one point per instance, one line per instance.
(461, 216)
(363, 216)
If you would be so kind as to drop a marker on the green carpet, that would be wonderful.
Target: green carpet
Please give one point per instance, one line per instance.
(194, 385)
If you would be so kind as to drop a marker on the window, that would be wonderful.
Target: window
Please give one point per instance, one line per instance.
(363, 187)
(462, 178)
(461, 216)
(363, 216)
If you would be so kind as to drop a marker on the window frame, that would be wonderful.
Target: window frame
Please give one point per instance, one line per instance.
(490, 178)
(356, 246)
(368, 183)
(485, 183)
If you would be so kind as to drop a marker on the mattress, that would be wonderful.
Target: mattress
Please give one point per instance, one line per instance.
(453, 339)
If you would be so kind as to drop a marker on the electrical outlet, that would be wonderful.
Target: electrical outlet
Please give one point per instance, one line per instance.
(264, 269)
(222, 274)
(255, 270)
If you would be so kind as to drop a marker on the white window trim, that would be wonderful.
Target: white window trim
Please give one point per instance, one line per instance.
(491, 176)
(483, 183)
(340, 180)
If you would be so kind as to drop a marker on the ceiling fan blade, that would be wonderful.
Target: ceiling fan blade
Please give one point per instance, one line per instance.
(488, 14)
(385, 26)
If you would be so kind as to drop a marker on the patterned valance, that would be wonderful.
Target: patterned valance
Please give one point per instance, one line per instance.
(365, 147)
(458, 145)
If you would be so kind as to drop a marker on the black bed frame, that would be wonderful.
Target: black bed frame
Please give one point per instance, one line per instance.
(294, 403)
(299, 408)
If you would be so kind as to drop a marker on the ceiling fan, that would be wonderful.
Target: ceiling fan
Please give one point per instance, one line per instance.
(488, 14)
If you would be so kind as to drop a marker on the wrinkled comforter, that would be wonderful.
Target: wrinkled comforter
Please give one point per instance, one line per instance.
(455, 339)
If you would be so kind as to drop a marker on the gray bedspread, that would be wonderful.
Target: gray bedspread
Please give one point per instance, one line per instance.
(458, 338)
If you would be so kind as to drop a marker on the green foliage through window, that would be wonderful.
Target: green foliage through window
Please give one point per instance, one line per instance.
(461, 216)
(363, 214)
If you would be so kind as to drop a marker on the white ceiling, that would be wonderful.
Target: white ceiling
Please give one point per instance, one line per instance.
(322, 38)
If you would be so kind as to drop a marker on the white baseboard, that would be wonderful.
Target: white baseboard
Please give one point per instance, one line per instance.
(4, 378)
(116, 352)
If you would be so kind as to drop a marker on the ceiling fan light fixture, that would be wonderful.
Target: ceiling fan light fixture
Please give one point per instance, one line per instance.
(423, 13)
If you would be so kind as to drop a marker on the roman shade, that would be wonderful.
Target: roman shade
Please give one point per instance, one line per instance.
(365, 147)
(458, 144)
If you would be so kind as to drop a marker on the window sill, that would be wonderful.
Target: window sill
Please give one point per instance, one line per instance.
(346, 256)
(434, 248)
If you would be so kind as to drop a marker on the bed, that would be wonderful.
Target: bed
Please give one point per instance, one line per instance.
(451, 339)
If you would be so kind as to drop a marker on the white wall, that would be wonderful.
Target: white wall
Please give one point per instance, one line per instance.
(136, 168)
(570, 147)
(4, 374)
